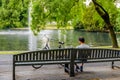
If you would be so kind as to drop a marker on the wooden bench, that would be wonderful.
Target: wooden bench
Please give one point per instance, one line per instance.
(65, 56)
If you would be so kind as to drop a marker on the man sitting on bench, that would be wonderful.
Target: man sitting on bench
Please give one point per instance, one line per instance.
(82, 45)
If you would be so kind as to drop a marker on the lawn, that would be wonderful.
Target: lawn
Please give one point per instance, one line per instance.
(17, 52)
(10, 52)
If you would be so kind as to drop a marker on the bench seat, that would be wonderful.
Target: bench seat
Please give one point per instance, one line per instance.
(41, 63)
(98, 60)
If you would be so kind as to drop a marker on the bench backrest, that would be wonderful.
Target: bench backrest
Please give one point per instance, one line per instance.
(93, 53)
(43, 55)
(66, 54)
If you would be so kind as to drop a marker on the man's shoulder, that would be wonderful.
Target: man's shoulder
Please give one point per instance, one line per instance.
(83, 46)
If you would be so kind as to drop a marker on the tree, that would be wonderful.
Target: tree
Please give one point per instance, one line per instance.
(91, 20)
(45, 11)
(13, 13)
(63, 11)
(105, 16)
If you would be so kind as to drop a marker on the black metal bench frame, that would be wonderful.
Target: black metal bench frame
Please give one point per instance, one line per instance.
(65, 56)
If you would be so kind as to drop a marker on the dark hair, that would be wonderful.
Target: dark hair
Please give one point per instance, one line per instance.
(81, 39)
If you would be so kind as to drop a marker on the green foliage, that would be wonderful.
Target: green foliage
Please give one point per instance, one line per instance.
(46, 11)
(117, 26)
(77, 13)
(0, 3)
(38, 16)
(91, 20)
(13, 13)
(74, 11)
(111, 9)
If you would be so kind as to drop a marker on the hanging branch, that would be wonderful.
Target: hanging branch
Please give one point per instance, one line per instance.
(102, 12)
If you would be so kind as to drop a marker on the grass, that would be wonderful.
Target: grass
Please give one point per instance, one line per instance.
(55, 27)
(104, 47)
(107, 47)
(17, 52)
(10, 52)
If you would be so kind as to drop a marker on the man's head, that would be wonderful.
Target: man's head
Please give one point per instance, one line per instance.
(81, 39)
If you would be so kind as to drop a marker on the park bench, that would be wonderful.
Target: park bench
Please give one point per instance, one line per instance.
(65, 56)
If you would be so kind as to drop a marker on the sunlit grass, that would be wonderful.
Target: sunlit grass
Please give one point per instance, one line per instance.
(17, 52)
(55, 27)
(10, 52)
(104, 47)
(107, 47)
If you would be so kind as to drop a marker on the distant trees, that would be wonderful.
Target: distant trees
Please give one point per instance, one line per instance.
(14, 13)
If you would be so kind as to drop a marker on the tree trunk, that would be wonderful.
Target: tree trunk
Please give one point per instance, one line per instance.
(105, 16)
(113, 37)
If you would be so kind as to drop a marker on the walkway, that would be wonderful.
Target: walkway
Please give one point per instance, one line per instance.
(92, 71)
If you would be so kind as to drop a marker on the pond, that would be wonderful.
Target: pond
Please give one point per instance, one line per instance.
(25, 40)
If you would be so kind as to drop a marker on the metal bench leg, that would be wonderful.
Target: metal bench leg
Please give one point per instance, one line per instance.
(112, 64)
(72, 73)
(13, 72)
(66, 68)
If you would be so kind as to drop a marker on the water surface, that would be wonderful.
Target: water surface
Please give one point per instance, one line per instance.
(25, 40)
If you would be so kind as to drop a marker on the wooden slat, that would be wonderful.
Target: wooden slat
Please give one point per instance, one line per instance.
(104, 52)
(98, 55)
(117, 54)
(37, 56)
(50, 55)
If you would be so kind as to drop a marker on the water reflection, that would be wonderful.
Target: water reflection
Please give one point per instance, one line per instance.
(13, 40)
(25, 40)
